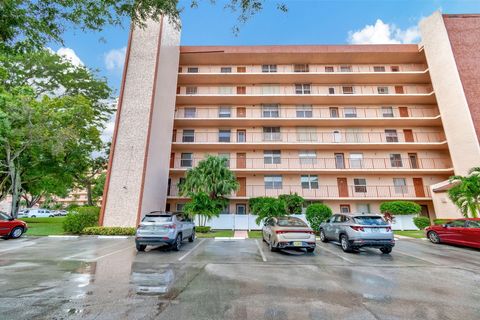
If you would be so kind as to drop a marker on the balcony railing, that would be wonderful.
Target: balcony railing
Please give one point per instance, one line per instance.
(306, 113)
(314, 163)
(333, 191)
(337, 137)
(312, 68)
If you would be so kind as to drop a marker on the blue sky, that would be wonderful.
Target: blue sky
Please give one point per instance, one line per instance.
(306, 22)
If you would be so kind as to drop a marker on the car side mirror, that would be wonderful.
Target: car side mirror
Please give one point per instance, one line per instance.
(445, 225)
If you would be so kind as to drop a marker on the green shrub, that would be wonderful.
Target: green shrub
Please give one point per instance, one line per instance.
(400, 207)
(201, 229)
(293, 203)
(110, 231)
(421, 222)
(441, 221)
(80, 218)
(316, 214)
(267, 207)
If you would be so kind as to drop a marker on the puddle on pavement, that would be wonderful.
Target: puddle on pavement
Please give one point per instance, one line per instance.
(152, 280)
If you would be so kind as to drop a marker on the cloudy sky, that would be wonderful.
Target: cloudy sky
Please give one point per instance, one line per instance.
(306, 22)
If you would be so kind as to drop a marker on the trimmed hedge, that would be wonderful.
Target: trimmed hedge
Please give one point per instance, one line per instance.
(80, 218)
(201, 229)
(400, 207)
(421, 222)
(110, 231)
(317, 213)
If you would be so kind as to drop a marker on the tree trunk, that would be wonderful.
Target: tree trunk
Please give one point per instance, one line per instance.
(88, 186)
(15, 188)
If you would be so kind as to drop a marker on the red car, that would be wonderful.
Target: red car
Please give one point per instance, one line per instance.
(11, 228)
(465, 232)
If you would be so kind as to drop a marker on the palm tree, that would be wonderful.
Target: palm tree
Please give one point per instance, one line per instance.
(465, 194)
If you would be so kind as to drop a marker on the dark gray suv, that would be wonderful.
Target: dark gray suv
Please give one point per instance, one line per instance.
(355, 231)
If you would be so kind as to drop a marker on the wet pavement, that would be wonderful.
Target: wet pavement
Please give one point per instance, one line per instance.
(91, 278)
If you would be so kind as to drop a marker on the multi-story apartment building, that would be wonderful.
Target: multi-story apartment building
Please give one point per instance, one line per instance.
(350, 126)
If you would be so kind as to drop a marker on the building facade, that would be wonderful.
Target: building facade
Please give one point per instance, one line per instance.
(351, 126)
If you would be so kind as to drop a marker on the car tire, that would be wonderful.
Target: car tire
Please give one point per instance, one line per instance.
(310, 250)
(16, 232)
(433, 237)
(178, 242)
(34, 216)
(5, 238)
(345, 243)
(386, 250)
(192, 236)
(271, 246)
(323, 237)
(141, 247)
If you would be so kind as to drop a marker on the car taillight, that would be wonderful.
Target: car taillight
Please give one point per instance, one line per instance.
(294, 231)
(357, 228)
(170, 226)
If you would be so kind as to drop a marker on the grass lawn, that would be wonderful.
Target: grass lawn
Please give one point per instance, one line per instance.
(44, 226)
(255, 234)
(411, 233)
(215, 233)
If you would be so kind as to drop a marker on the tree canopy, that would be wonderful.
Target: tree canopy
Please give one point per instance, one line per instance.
(465, 193)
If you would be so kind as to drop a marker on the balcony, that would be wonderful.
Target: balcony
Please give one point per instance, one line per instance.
(307, 115)
(243, 139)
(327, 165)
(333, 192)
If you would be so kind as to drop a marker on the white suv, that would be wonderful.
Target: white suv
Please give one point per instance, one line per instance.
(35, 213)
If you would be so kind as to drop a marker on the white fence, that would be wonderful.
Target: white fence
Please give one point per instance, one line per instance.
(247, 222)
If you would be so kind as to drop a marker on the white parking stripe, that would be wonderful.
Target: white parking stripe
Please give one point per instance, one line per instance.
(25, 244)
(334, 253)
(109, 254)
(186, 254)
(414, 256)
(90, 251)
(261, 251)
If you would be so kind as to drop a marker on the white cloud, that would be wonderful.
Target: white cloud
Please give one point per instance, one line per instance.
(114, 59)
(107, 132)
(70, 55)
(384, 33)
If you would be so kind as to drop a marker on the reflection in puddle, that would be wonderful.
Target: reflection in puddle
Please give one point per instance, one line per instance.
(152, 281)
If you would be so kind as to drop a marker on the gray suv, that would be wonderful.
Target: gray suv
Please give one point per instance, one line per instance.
(169, 228)
(355, 231)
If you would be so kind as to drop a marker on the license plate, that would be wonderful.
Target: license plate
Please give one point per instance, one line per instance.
(297, 243)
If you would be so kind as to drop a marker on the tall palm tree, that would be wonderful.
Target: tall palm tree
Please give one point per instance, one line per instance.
(465, 194)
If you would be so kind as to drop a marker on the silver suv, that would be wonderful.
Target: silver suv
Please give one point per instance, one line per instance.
(355, 231)
(169, 228)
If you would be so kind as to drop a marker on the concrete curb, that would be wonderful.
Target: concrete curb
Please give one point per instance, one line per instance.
(86, 236)
(229, 238)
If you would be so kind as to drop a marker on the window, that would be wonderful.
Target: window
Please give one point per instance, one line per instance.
(302, 88)
(391, 135)
(363, 208)
(345, 69)
(189, 112)
(225, 156)
(300, 67)
(225, 90)
(188, 136)
(339, 161)
(457, 224)
(329, 69)
(191, 90)
(270, 111)
(192, 70)
(387, 112)
(333, 112)
(396, 160)
(224, 135)
(473, 224)
(226, 69)
(241, 136)
(347, 90)
(224, 112)
(304, 111)
(400, 185)
(269, 68)
(331, 90)
(307, 157)
(273, 182)
(356, 160)
(307, 134)
(379, 68)
(226, 210)
(360, 185)
(309, 181)
(272, 157)
(382, 90)
(344, 208)
(271, 133)
(241, 208)
(350, 112)
(186, 160)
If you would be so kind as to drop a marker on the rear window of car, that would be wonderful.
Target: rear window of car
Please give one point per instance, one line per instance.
(157, 219)
(4, 216)
(370, 221)
(290, 222)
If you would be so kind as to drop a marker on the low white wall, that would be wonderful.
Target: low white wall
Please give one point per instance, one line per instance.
(247, 222)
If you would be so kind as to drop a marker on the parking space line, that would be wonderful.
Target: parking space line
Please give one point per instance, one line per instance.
(25, 244)
(261, 251)
(336, 254)
(416, 257)
(111, 253)
(186, 254)
(91, 250)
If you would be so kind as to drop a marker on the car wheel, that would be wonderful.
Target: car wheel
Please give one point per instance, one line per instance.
(346, 246)
(16, 233)
(271, 246)
(141, 247)
(192, 236)
(51, 216)
(34, 216)
(178, 242)
(433, 237)
(323, 237)
(386, 250)
(310, 250)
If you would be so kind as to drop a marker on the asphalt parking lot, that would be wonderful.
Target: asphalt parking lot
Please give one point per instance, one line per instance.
(90, 278)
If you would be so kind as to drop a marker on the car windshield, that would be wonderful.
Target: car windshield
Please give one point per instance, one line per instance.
(4, 216)
(370, 221)
(290, 222)
(157, 219)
